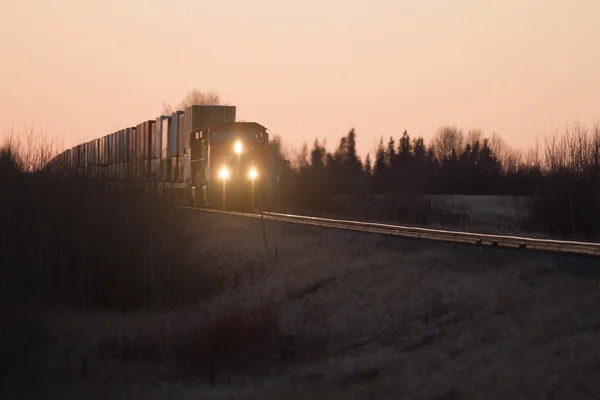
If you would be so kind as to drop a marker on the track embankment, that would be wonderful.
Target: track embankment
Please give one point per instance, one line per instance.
(526, 243)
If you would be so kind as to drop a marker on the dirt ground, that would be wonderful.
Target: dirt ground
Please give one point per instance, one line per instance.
(343, 316)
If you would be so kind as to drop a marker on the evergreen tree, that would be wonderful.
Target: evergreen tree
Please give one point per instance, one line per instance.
(390, 153)
(368, 167)
(351, 159)
(380, 159)
(418, 147)
(404, 148)
(317, 156)
(302, 158)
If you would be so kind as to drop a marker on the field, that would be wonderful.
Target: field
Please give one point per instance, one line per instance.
(504, 215)
(313, 313)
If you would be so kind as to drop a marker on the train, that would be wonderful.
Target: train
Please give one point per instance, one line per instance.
(200, 156)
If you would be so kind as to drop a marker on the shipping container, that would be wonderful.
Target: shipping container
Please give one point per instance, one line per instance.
(74, 156)
(113, 146)
(96, 152)
(109, 145)
(134, 143)
(118, 140)
(154, 151)
(183, 140)
(92, 150)
(122, 146)
(179, 168)
(151, 127)
(127, 145)
(198, 117)
(101, 152)
(163, 124)
(69, 155)
(158, 128)
(143, 141)
(88, 154)
(114, 150)
(105, 155)
(173, 135)
(138, 142)
(173, 176)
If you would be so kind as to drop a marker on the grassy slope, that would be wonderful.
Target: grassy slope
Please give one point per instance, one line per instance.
(356, 315)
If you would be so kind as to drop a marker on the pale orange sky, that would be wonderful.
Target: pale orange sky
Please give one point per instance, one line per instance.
(303, 69)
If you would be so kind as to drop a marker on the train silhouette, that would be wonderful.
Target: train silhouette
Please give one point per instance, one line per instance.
(201, 156)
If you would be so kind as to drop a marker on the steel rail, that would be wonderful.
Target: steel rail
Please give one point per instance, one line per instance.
(481, 239)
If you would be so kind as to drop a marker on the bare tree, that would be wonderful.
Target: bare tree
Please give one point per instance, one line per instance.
(31, 151)
(193, 97)
(473, 136)
(449, 140)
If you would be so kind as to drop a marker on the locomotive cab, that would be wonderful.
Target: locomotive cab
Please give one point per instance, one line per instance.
(228, 164)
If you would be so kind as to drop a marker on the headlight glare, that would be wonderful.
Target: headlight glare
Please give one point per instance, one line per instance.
(224, 173)
(253, 174)
(238, 147)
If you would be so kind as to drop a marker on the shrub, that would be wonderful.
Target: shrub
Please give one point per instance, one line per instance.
(86, 244)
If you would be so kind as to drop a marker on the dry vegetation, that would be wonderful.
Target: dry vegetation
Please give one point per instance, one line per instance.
(328, 314)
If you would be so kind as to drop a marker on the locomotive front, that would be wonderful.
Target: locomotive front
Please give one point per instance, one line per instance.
(237, 164)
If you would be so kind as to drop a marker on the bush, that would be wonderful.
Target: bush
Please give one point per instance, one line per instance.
(85, 244)
(568, 206)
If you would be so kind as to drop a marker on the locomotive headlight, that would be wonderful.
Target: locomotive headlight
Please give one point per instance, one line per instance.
(252, 174)
(224, 173)
(238, 147)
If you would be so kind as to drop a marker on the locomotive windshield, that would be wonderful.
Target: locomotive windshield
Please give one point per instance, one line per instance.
(230, 136)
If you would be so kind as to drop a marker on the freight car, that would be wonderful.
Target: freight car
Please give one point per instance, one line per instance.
(200, 156)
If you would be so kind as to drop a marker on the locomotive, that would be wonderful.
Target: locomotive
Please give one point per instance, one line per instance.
(200, 156)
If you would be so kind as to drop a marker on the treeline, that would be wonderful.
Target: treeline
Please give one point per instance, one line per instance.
(559, 174)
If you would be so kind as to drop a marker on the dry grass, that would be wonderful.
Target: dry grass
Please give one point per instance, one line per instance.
(342, 315)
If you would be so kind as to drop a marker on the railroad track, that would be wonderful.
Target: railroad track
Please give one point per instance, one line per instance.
(546, 245)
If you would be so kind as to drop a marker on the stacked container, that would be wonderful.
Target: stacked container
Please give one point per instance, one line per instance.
(114, 154)
(118, 140)
(68, 161)
(111, 156)
(150, 137)
(108, 159)
(75, 159)
(105, 157)
(172, 144)
(161, 128)
(91, 158)
(201, 117)
(101, 157)
(126, 153)
(133, 152)
(84, 159)
(181, 140)
(88, 160)
(138, 152)
(120, 153)
(164, 144)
